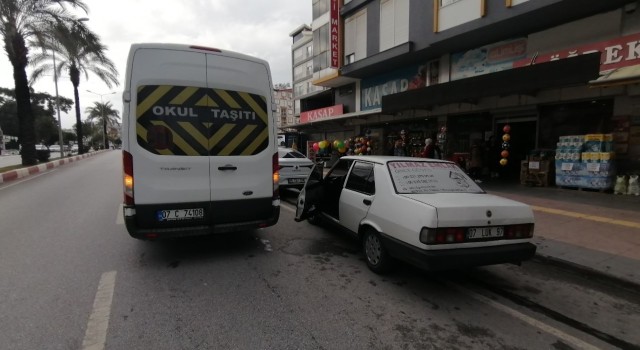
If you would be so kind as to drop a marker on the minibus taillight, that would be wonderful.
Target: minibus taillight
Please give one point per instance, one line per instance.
(276, 176)
(127, 166)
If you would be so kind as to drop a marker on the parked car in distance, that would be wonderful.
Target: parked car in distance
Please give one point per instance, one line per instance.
(294, 167)
(426, 212)
(74, 148)
(54, 148)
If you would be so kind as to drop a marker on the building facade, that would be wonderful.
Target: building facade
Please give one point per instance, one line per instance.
(459, 71)
(284, 113)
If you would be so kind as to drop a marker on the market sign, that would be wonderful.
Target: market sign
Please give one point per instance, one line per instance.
(616, 53)
(401, 80)
(321, 114)
(487, 59)
(334, 20)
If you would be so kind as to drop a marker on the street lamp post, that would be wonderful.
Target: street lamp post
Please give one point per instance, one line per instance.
(104, 120)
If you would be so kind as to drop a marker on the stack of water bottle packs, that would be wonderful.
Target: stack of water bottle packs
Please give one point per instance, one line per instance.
(585, 161)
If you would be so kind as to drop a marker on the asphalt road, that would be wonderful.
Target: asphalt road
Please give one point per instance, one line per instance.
(71, 277)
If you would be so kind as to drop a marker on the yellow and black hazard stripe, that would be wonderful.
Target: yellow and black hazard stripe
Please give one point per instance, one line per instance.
(195, 121)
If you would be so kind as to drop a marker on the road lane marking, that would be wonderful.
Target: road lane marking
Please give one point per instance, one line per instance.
(577, 343)
(120, 215)
(27, 179)
(587, 217)
(96, 335)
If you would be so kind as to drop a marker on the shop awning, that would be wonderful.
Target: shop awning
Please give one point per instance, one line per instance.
(525, 80)
(619, 76)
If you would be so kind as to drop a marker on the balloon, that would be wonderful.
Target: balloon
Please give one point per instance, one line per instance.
(362, 139)
(504, 154)
(316, 146)
(347, 143)
(505, 145)
(368, 149)
(335, 144)
(322, 144)
(340, 144)
(506, 129)
(506, 137)
(342, 149)
(503, 161)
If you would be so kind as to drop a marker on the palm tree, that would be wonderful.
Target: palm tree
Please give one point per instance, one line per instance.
(105, 115)
(22, 22)
(79, 51)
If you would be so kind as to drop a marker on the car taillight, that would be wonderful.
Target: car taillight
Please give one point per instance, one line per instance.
(447, 235)
(442, 235)
(518, 231)
(127, 166)
(276, 176)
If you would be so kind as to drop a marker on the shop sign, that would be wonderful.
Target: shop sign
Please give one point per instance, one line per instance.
(487, 59)
(620, 52)
(321, 114)
(334, 20)
(372, 89)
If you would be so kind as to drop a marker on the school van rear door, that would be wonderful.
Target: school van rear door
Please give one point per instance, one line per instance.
(168, 137)
(242, 140)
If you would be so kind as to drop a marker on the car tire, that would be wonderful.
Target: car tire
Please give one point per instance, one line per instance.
(375, 254)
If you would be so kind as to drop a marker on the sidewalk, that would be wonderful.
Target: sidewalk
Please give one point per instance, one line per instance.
(599, 232)
(24, 172)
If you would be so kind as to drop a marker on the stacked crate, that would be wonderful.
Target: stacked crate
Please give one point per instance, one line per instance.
(585, 161)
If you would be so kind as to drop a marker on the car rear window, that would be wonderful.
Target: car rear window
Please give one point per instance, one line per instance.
(417, 177)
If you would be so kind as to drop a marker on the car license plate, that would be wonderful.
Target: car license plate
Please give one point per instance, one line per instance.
(180, 214)
(485, 232)
(296, 181)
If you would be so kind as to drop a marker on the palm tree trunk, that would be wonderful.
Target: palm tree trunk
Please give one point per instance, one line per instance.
(104, 131)
(23, 101)
(76, 96)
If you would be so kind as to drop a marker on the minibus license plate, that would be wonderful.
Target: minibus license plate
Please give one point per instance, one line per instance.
(485, 232)
(180, 214)
(296, 181)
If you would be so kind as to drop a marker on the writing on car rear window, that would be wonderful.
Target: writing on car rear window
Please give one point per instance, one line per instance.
(430, 177)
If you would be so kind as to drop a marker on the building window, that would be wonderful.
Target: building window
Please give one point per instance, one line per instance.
(394, 23)
(350, 58)
(355, 36)
(320, 7)
(321, 54)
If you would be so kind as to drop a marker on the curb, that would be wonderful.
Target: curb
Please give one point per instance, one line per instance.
(594, 274)
(34, 169)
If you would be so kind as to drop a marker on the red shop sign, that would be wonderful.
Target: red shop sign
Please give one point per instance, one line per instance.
(320, 114)
(620, 52)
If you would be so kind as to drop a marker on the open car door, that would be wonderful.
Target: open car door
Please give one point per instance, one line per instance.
(309, 196)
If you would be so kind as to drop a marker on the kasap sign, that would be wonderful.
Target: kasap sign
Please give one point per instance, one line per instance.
(401, 80)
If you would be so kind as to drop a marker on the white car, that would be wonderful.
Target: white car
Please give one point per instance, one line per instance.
(294, 167)
(54, 148)
(426, 212)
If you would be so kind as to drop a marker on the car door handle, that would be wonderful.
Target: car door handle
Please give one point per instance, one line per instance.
(366, 201)
(227, 167)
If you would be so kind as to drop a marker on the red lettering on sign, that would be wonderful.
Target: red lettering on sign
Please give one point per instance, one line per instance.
(320, 114)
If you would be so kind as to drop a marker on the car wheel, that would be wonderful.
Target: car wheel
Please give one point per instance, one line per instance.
(376, 255)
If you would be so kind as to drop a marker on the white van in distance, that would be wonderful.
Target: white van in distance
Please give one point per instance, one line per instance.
(199, 142)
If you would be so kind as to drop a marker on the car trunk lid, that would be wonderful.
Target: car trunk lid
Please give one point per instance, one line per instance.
(474, 209)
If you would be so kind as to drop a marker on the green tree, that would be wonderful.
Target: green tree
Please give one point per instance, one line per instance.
(24, 24)
(79, 51)
(106, 117)
(43, 107)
